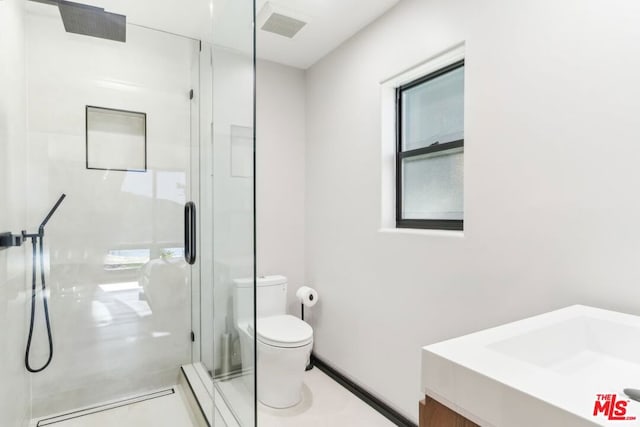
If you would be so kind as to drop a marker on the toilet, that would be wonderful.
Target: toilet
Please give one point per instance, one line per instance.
(283, 341)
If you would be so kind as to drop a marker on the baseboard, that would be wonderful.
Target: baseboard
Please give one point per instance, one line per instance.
(368, 398)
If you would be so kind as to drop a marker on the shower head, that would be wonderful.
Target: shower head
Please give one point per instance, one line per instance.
(92, 21)
(51, 212)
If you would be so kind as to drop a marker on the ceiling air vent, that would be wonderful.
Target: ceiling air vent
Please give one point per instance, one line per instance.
(279, 21)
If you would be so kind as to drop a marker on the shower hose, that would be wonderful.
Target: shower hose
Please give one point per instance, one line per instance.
(34, 241)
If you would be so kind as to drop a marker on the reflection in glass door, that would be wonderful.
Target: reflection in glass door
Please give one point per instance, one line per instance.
(110, 125)
(149, 134)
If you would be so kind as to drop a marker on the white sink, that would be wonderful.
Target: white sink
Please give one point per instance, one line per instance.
(546, 370)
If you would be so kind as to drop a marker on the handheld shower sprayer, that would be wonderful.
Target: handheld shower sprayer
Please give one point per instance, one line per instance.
(38, 239)
(50, 214)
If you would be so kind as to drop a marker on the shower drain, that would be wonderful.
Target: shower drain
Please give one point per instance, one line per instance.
(103, 407)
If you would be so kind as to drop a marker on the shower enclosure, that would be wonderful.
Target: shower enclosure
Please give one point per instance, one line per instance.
(145, 121)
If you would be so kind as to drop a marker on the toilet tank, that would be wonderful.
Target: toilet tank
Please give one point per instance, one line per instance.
(271, 297)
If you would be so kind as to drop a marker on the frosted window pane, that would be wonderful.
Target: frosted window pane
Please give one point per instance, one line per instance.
(116, 140)
(432, 186)
(433, 111)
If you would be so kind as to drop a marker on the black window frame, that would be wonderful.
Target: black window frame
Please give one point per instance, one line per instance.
(431, 224)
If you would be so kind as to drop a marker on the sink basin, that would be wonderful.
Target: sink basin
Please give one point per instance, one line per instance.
(564, 368)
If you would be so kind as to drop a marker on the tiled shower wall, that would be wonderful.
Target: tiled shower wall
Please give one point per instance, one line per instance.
(14, 386)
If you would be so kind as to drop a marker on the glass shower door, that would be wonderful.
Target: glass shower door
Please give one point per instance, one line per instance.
(130, 129)
(109, 125)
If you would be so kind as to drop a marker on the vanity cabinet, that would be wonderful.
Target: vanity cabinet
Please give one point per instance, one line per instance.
(435, 414)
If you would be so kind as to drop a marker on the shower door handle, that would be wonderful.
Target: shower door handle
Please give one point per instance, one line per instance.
(190, 233)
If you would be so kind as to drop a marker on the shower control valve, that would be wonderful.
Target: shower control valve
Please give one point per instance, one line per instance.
(8, 240)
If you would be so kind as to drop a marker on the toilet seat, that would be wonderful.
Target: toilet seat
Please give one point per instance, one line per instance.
(284, 331)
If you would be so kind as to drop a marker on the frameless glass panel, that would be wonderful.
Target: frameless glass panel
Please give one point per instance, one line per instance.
(433, 111)
(233, 365)
(432, 186)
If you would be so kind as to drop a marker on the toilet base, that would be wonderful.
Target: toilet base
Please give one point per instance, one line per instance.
(282, 407)
(280, 374)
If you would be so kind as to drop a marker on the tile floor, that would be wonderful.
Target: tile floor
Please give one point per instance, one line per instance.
(325, 403)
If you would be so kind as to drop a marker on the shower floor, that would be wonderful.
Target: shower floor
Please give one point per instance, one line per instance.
(166, 408)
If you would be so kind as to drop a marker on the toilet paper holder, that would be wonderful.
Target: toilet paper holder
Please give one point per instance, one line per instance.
(313, 299)
(310, 363)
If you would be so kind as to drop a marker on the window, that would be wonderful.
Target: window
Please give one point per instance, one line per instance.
(430, 150)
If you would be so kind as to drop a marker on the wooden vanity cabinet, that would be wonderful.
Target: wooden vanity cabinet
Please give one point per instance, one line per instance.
(435, 414)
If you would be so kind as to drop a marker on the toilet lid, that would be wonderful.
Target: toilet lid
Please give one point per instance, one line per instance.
(284, 331)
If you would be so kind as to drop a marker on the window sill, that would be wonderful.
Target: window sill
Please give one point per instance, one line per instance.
(423, 232)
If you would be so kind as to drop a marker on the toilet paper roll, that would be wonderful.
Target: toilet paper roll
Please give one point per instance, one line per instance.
(307, 296)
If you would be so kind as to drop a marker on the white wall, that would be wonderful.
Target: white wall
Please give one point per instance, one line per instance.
(551, 178)
(280, 151)
(133, 338)
(14, 392)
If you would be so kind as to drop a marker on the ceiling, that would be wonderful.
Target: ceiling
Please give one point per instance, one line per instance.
(329, 23)
(167, 15)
